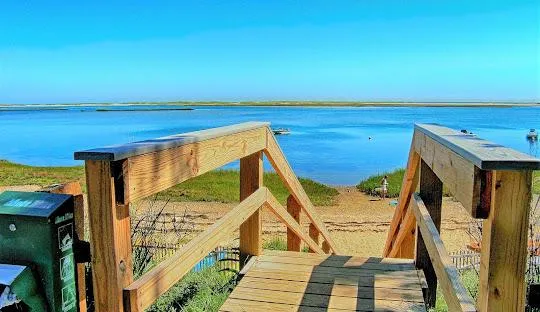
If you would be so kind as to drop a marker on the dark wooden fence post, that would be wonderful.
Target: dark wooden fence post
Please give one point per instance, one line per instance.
(431, 191)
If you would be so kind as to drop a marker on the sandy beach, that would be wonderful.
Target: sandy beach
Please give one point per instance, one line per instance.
(357, 222)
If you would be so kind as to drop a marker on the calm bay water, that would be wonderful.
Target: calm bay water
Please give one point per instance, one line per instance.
(328, 144)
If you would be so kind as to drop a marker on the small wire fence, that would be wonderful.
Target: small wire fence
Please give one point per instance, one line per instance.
(225, 258)
(466, 260)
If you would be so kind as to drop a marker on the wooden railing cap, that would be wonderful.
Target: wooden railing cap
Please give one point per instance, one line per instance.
(118, 152)
(484, 154)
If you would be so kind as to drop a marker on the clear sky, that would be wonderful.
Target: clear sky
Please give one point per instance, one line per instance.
(432, 50)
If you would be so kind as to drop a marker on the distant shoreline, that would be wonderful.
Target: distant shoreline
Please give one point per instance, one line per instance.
(279, 104)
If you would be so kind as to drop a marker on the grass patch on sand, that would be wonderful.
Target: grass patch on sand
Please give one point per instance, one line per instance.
(205, 290)
(395, 178)
(16, 174)
(217, 185)
(224, 186)
(279, 243)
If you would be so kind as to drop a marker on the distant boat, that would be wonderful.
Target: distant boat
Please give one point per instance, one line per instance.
(280, 131)
(532, 135)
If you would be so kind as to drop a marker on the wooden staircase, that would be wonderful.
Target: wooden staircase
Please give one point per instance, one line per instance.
(492, 182)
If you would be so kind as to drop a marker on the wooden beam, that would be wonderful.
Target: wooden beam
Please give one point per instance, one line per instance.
(110, 238)
(74, 188)
(460, 176)
(325, 247)
(129, 150)
(251, 179)
(284, 170)
(293, 208)
(405, 241)
(431, 191)
(282, 214)
(504, 243)
(456, 296)
(144, 291)
(410, 181)
(158, 171)
(481, 153)
(314, 234)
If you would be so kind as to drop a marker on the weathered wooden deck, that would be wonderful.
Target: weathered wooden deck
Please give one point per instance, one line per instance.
(299, 281)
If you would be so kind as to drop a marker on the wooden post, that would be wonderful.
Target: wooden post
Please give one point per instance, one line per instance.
(504, 243)
(326, 247)
(293, 241)
(431, 191)
(314, 234)
(251, 178)
(110, 238)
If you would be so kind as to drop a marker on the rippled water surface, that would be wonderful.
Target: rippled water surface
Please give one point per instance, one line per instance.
(328, 144)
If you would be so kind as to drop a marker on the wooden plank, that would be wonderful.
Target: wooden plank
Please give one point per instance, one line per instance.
(484, 154)
(110, 238)
(282, 214)
(404, 244)
(239, 305)
(119, 152)
(367, 271)
(74, 188)
(390, 280)
(247, 266)
(456, 296)
(251, 179)
(333, 257)
(144, 291)
(504, 243)
(340, 290)
(314, 234)
(324, 301)
(293, 208)
(284, 170)
(410, 180)
(157, 171)
(352, 262)
(460, 176)
(431, 191)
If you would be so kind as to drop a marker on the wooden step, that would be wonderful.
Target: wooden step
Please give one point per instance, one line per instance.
(295, 281)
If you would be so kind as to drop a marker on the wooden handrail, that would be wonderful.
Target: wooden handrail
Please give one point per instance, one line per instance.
(145, 290)
(492, 182)
(281, 165)
(119, 175)
(124, 151)
(483, 154)
(456, 296)
(150, 173)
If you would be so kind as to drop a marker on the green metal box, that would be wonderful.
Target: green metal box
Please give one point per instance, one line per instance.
(37, 230)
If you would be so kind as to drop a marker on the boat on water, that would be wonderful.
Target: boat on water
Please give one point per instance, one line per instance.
(532, 135)
(280, 131)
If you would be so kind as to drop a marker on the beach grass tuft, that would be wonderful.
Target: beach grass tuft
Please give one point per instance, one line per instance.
(395, 178)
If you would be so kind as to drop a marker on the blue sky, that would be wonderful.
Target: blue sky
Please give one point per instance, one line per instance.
(91, 51)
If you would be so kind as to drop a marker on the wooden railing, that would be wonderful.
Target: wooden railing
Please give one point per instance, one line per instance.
(117, 176)
(492, 183)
